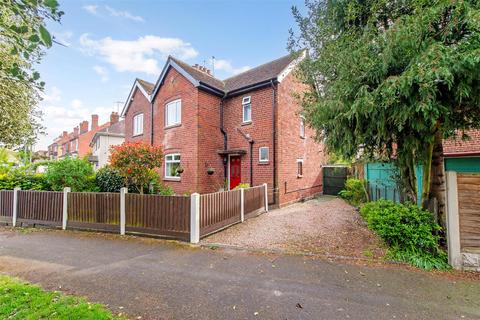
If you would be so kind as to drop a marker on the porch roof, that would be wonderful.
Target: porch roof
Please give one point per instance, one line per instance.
(232, 151)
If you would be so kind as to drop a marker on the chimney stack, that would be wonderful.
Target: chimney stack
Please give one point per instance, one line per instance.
(75, 132)
(83, 127)
(94, 121)
(114, 117)
(64, 134)
(202, 69)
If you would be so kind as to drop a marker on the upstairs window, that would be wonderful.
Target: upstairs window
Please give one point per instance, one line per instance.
(138, 124)
(172, 163)
(302, 127)
(173, 113)
(247, 110)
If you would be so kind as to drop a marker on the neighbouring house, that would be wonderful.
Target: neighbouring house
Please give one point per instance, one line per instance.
(463, 155)
(104, 139)
(216, 134)
(76, 143)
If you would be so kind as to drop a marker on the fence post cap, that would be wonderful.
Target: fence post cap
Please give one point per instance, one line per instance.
(124, 189)
(67, 189)
(17, 188)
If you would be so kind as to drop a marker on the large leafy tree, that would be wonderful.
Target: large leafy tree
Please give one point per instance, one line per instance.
(392, 79)
(23, 38)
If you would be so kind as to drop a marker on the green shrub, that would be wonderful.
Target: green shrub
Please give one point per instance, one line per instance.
(71, 172)
(155, 186)
(109, 180)
(410, 232)
(24, 179)
(354, 192)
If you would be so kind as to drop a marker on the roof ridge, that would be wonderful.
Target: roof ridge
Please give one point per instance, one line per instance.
(261, 65)
(189, 66)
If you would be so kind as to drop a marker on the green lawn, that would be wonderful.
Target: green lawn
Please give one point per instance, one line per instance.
(20, 300)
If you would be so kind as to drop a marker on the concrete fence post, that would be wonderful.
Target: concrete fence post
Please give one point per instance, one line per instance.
(242, 204)
(15, 206)
(66, 190)
(123, 192)
(266, 197)
(194, 218)
(453, 222)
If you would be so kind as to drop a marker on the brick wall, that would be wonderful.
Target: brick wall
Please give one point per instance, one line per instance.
(180, 139)
(260, 130)
(210, 140)
(139, 104)
(291, 146)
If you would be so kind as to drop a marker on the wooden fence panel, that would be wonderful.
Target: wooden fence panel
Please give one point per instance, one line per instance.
(254, 200)
(40, 207)
(155, 214)
(469, 210)
(97, 211)
(218, 210)
(6, 205)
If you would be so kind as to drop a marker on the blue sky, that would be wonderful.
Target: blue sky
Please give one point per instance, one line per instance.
(110, 43)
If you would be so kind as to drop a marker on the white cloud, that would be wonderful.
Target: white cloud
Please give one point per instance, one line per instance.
(76, 104)
(63, 37)
(226, 66)
(91, 8)
(123, 14)
(54, 95)
(139, 55)
(102, 72)
(59, 117)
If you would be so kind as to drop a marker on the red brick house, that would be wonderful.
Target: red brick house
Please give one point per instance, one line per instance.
(77, 143)
(218, 133)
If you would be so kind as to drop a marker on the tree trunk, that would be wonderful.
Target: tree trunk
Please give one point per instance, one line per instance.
(438, 187)
(427, 177)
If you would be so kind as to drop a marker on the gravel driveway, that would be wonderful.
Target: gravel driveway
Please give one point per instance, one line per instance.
(326, 225)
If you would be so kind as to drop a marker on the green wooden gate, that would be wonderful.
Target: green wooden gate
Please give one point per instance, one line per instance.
(382, 183)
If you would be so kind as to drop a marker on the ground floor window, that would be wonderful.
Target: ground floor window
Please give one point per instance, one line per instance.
(172, 163)
(299, 168)
(263, 154)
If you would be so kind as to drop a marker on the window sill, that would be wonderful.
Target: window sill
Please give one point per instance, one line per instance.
(299, 176)
(303, 137)
(137, 135)
(246, 123)
(173, 126)
(263, 163)
(172, 179)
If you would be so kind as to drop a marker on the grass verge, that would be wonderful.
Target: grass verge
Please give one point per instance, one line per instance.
(20, 300)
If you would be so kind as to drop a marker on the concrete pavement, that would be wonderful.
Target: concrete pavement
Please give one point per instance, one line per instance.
(153, 279)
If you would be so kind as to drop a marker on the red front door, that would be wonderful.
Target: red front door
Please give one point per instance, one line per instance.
(235, 171)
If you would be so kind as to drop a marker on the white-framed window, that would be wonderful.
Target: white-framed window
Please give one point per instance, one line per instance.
(173, 113)
(246, 109)
(138, 124)
(97, 143)
(172, 163)
(263, 154)
(299, 168)
(302, 127)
